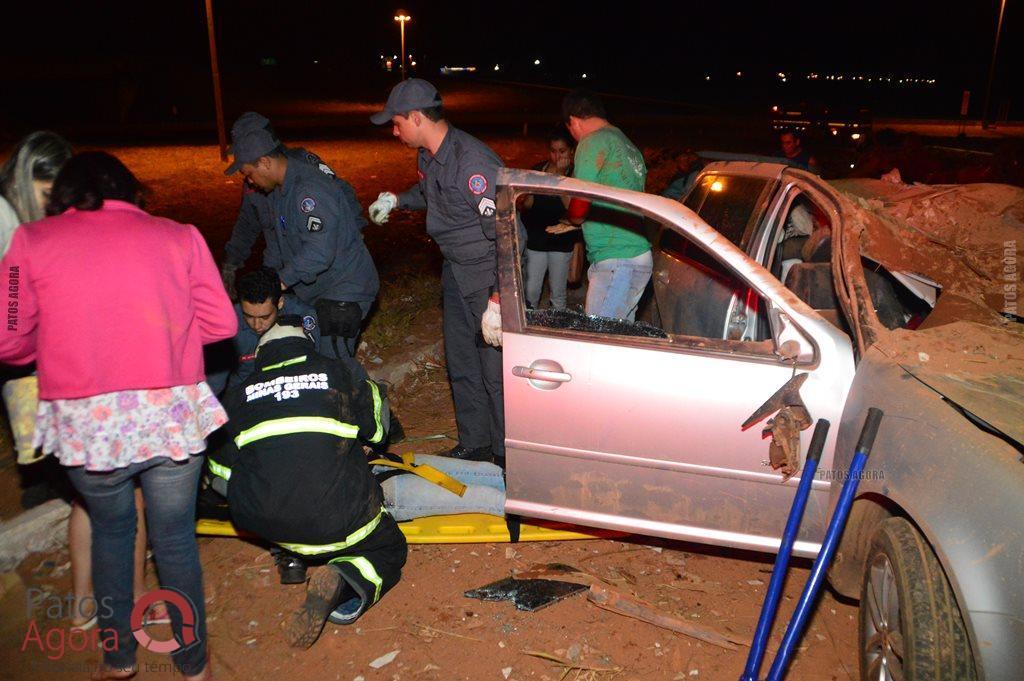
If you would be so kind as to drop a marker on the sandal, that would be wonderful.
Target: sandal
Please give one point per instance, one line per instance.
(85, 625)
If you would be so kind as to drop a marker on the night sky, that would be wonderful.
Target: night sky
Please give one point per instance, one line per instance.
(642, 45)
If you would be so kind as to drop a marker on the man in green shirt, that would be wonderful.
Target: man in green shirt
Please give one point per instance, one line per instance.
(620, 255)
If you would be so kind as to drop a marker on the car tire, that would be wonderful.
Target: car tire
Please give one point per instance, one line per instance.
(910, 626)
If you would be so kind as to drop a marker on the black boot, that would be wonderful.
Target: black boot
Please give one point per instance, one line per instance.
(291, 567)
(476, 454)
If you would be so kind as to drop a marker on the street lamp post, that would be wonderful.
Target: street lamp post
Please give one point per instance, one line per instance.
(992, 66)
(401, 16)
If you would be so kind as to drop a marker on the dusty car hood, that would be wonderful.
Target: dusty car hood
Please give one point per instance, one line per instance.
(977, 367)
(968, 239)
(956, 235)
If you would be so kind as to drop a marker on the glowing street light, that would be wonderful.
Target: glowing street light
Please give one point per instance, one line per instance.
(401, 16)
(536, 62)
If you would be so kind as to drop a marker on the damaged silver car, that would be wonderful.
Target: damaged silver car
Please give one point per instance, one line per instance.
(850, 294)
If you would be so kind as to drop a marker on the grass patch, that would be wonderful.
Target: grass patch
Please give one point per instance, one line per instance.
(400, 304)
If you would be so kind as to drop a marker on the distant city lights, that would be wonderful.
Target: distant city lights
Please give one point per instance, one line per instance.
(787, 76)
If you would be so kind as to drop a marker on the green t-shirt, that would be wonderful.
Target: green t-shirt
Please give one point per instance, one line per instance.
(606, 156)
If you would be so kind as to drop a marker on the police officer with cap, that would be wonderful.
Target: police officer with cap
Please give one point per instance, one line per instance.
(254, 215)
(312, 225)
(456, 187)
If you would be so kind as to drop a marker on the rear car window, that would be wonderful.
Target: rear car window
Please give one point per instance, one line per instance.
(728, 203)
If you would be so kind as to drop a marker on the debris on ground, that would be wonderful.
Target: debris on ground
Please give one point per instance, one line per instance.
(529, 595)
(609, 599)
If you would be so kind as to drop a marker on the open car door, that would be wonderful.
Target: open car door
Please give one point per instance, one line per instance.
(625, 426)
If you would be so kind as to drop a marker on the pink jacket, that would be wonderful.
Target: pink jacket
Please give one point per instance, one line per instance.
(109, 300)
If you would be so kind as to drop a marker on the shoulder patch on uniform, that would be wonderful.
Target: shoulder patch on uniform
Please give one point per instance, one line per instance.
(325, 169)
(478, 184)
(314, 224)
(486, 207)
(307, 204)
(308, 323)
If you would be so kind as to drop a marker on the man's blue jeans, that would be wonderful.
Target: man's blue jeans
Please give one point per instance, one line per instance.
(614, 286)
(409, 496)
(169, 489)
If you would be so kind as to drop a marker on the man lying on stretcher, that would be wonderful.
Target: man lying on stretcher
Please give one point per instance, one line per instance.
(294, 470)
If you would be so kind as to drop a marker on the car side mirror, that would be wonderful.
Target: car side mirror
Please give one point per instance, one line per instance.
(790, 343)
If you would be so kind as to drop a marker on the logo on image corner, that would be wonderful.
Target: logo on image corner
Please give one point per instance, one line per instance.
(172, 598)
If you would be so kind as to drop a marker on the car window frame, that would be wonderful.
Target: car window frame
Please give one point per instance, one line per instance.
(512, 240)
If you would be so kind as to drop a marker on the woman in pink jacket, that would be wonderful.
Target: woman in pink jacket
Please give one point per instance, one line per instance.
(114, 306)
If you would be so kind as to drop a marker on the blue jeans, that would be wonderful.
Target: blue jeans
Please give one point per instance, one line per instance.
(614, 286)
(409, 496)
(556, 265)
(169, 489)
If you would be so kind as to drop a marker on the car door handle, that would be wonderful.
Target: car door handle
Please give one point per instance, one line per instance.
(662, 276)
(543, 370)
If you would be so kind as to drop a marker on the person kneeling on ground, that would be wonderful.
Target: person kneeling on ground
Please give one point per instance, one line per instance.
(298, 477)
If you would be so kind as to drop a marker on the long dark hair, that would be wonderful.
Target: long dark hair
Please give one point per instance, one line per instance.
(89, 179)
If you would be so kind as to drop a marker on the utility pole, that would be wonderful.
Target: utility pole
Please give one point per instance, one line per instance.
(992, 66)
(222, 137)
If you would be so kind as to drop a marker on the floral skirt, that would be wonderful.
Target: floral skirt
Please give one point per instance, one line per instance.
(114, 430)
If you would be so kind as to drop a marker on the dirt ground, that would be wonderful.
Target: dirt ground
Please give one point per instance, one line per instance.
(438, 632)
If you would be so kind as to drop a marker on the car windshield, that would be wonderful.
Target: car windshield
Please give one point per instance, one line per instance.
(727, 203)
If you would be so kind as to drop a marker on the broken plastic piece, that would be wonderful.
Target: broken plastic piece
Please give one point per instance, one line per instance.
(526, 594)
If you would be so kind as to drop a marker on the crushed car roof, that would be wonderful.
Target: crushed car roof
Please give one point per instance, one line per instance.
(968, 240)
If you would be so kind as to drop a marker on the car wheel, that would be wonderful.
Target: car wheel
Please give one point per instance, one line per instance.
(910, 625)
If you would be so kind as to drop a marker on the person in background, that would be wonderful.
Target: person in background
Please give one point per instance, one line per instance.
(122, 395)
(793, 149)
(26, 179)
(549, 253)
(688, 166)
(620, 255)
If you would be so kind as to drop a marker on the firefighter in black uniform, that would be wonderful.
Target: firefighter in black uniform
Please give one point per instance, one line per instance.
(457, 174)
(297, 476)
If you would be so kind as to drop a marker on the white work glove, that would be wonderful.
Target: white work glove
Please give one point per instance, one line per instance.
(380, 208)
(490, 325)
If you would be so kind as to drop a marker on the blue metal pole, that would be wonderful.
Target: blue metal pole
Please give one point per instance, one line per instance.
(828, 548)
(796, 514)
